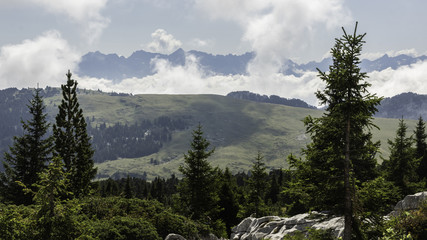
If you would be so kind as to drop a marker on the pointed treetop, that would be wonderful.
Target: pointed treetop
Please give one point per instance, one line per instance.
(68, 74)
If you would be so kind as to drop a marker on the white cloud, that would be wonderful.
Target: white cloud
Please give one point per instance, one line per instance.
(277, 30)
(391, 82)
(163, 42)
(42, 60)
(87, 13)
(191, 79)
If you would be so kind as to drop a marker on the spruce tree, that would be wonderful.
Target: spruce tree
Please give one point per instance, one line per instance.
(402, 164)
(197, 190)
(258, 185)
(421, 148)
(29, 154)
(228, 201)
(72, 142)
(342, 151)
(127, 192)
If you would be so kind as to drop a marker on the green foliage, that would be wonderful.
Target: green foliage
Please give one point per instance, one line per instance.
(197, 190)
(257, 188)
(168, 222)
(99, 218)
(342, 151)
(409, 225)
(72, 143)
(343, 129)
(298, 193)
(402, 165)
(53, 218)
(128, 190)
(16, 222)
(311, 234)
(376, 198)
(119, 228)
(28, 155)
(228, 201)
(421, 149)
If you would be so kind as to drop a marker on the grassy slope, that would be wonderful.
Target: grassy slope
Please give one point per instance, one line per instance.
(236, 128)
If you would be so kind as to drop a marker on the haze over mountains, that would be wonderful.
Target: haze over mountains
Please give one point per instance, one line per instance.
(141, 64)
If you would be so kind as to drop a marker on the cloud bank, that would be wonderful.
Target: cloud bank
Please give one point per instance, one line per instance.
(277, 30)
(46, 58)
(391, 82)
(192, 79)
(42, 60)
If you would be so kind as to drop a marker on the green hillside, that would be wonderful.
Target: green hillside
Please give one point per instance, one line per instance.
(238, 129)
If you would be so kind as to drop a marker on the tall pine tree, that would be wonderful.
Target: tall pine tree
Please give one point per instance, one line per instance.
(341, 151)
(228, 201)
(258, 185)
(197, 190)
(402, 164)
(421, 149)
(29, 154)
(72, 143)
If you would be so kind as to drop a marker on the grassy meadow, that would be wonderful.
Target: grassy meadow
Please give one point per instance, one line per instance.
(237, 129)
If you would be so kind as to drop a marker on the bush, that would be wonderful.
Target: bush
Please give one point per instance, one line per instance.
(312, 234)
(167, 222)
(409, 225)
(15, 222)
(119, 228)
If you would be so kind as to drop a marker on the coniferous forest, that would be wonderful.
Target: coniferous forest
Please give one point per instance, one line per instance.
(48, 187)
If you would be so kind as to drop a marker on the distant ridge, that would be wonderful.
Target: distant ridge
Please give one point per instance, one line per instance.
(250, 96)
(141, 64)
(407, 105)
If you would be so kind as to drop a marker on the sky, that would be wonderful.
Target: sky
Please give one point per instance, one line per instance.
(41, 39)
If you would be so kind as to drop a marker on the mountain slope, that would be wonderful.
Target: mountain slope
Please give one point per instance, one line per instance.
(238, 129)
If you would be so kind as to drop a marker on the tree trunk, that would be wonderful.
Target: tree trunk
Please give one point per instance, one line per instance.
(348, 209)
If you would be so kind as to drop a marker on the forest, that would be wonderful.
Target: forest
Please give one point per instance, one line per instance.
(48, 189)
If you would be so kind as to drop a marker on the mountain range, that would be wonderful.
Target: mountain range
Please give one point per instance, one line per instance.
(140, 64)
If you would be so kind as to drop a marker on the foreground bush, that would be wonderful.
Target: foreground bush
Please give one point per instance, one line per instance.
(97, 218)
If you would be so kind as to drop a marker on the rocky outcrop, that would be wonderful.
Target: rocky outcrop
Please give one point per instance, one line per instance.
(273, 227)
(410, 202)
(173, 236)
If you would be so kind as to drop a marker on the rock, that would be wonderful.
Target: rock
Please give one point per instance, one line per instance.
(410, 202)
(173, 236)
(275, 228)
(336, 224)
